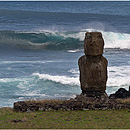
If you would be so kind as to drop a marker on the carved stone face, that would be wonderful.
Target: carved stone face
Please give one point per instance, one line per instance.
(93, 43)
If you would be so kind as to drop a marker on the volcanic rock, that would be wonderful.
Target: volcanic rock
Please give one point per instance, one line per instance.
(120, 93)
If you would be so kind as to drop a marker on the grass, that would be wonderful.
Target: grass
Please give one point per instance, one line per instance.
(93, 119)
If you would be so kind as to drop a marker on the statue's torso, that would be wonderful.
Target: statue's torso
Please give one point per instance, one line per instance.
(93, 73)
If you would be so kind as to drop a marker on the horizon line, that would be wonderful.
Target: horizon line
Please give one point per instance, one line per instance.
(65, 0)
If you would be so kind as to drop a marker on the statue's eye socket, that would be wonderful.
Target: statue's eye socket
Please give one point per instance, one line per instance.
(88, 36)
(99, 36)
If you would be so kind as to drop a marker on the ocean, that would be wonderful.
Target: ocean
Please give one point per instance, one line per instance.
(41, 42)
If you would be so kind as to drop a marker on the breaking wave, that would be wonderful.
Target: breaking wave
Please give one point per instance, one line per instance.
(50, 40)
(117, 77)
(59, 79)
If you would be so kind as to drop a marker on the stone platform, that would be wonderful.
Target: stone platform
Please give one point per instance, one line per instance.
(80, 102)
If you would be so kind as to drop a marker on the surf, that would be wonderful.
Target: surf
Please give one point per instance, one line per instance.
(52, 40)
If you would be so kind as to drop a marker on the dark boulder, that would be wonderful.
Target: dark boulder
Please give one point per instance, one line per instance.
(120, 93)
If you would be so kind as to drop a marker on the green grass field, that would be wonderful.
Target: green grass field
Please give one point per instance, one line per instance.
(93, 119)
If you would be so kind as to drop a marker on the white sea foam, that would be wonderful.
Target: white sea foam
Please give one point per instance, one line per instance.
(74, 71)
(73, 51)
(60, 79)
(76, 35)
(33, 62)
(31, 93)
(24, 84)
(118, 76)
(112, 39)
(6, 80)
(64, 96)
(116, 40)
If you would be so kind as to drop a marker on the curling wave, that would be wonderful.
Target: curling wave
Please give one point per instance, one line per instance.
(49, 40)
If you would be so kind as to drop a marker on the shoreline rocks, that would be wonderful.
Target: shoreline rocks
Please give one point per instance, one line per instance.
(80, 102)
(120, 93)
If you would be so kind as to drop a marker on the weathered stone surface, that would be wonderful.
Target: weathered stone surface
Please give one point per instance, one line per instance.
(93, 43)
(93, 66)
(93, 73)
(22, 106)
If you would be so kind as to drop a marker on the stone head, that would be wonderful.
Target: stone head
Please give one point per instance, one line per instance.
(93, 43)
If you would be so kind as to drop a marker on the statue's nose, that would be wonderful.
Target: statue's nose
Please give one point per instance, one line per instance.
(93, 40)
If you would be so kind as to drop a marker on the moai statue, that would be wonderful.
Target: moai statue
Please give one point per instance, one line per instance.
(93, 66)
